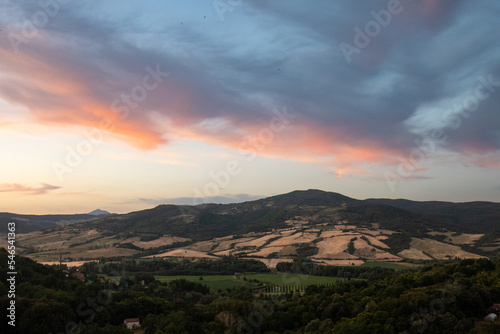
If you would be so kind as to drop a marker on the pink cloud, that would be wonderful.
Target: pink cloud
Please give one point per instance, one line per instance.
(16, 187)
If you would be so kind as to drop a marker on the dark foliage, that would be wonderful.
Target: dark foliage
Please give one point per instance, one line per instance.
(442, 298)
(225, 266)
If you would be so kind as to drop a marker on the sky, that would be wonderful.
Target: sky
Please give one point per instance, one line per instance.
(125, 105)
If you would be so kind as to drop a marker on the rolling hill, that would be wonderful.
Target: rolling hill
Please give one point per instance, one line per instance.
(30, 223)
(325, 227)
(480, 217)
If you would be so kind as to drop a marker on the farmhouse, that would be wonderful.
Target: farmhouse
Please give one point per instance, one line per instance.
(79, 275)
(132, 323)
(490, 317)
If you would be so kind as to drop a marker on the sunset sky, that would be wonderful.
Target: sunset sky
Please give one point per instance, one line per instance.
(124, 105)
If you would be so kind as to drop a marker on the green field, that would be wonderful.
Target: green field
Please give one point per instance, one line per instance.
(212, 281)
(229, 281)
(293, 279)
(390, 265)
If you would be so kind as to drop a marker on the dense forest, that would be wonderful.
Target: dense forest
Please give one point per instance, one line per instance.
(227, 265)
(441, 298)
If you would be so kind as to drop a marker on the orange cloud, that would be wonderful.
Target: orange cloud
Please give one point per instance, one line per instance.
(61, 95)
(301, 141)
(340, 173)
(66, 96)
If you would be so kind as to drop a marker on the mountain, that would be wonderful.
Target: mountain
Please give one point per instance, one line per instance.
(208, 221)
(214, 220)
(311, 197)
(325, 227)
(99, 212)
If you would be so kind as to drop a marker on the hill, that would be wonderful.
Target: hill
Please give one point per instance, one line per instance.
(323, 227)
(214, 220)
(30, 223)
(208, 221)
(478, 217)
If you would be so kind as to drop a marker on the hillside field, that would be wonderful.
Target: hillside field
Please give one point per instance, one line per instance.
(231, 281)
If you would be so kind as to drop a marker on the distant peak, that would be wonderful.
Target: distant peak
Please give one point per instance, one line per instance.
(99, 212)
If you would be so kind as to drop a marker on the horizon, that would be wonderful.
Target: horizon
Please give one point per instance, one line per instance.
(244, 101)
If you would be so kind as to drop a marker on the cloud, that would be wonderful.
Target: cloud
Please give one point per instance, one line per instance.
(16, 187)
(221, 89)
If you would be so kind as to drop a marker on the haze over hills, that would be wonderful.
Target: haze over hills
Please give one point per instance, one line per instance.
(324, 227)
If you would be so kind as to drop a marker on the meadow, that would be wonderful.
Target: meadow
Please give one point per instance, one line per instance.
(248, 280)
(390, 265)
